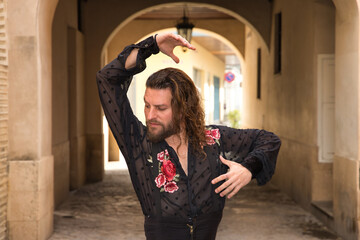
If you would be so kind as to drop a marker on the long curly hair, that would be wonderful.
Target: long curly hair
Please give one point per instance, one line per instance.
(186, 105)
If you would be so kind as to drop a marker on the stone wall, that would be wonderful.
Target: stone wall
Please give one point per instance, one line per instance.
(68, 140)
(3, 121)
(30, 160)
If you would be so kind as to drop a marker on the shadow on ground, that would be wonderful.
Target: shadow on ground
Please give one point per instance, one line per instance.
(109, 210)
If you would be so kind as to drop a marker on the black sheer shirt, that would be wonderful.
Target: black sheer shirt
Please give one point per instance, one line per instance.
(161, 185)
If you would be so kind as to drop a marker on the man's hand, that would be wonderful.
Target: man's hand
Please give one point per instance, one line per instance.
(236, 178)
(168, 41)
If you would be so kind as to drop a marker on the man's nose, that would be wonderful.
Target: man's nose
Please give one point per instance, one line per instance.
(152, 113)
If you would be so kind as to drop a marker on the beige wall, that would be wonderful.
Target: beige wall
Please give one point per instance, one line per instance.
(347, 79)
(290, 102)
(4, 110)
(293, 99)
(60, 100)
(251, 118)
(60, 115)
(67, 101)
(30, 201)
(76, 108)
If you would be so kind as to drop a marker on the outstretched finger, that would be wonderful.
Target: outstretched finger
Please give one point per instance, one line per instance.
(223, 186)
(188, 45)
(234, 191)
(224, 161)
(185, 43)
(174, 57)
(227, 190)
(219, 178)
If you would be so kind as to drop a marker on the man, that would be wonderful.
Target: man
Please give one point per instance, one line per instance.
(181, 169)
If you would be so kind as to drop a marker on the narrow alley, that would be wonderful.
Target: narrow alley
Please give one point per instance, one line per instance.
(109, 210)
(288, 67)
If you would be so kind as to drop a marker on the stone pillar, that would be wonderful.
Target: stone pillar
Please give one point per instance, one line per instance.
(31, 167)
(4, 110)
(347, 79)
(76, 105)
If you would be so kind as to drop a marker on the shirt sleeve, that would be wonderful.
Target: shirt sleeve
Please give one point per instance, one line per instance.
(113, 82)
(255, 149)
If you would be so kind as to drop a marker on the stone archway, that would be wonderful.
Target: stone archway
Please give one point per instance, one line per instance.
(99, 36)
(112, 48)
(30, 201)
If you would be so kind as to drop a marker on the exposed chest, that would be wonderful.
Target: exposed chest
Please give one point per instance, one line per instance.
(182, 154)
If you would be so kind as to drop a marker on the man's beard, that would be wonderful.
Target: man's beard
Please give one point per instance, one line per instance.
(164, 132)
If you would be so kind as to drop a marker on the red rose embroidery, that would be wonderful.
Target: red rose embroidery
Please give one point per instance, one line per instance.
(215, 133)
(212, 136)
(167, 178)
(209, 140)
(163, 155)
(160, 180)
(168, 169)
(171, 187)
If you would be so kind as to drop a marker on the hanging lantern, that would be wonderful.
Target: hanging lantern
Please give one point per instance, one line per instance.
(184, 29)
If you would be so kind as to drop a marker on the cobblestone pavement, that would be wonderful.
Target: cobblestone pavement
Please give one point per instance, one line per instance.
(109, 210)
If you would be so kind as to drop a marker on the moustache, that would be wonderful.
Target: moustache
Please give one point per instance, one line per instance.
(153, 121)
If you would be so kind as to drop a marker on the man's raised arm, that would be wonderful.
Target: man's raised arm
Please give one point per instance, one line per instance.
(166, 43)
(114, 80)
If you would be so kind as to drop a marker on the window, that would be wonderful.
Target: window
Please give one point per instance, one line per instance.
(216, 98)
(258, 93)
(79, 14)
(277, 42)
(197, 79)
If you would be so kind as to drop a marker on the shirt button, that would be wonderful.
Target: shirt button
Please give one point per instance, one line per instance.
(146, 45)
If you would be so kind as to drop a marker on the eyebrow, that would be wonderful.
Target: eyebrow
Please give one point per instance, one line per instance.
(160, 105)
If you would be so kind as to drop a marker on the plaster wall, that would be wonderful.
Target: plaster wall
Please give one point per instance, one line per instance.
(293, 104)
(288, 104)
(298, 84)
(347, 74)
(76, 57)
(281, 104)
(30, 204)
(65, 18)
(254, 108)
(347, 78)
(4, 111)
(324, 43)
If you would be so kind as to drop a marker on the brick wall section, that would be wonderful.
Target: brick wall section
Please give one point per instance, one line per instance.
(3, 121)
